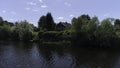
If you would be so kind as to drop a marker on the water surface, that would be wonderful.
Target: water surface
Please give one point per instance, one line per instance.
(31, 55)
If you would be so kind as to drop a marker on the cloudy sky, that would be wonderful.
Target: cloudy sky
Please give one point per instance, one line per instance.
(62, 10)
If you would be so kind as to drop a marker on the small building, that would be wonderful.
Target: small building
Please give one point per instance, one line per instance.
(62, 26)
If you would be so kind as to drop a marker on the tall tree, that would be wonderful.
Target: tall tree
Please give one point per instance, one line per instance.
(46, 22)
(42, 22)
(50, 25)
(85, 20)
(106, 33)
(76, 25)
(92, 28)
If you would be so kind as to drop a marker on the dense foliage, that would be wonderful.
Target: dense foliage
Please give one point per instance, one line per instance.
(46, 22)
(22, 31)
(83, 31)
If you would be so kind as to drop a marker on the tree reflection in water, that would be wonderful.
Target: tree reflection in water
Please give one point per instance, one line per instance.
(31, 55)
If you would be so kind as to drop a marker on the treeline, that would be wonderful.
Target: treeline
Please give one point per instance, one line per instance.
(83, 31)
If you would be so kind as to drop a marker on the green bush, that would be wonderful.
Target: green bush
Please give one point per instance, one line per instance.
(53, 36)
(35, 36)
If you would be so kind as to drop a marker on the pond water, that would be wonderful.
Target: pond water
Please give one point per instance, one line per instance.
(31, 55)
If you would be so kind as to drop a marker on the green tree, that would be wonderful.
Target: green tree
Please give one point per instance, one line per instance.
(1, 19)
(76, 25)
(117, 27)
(117, 23)
(80, 23)
(50, 25)
(5, 32)
(92, 28)
(46, 22)
(24, 30)
(5, 29)
(106, 33)
(42, 22)
(85, 20)
(80, 26)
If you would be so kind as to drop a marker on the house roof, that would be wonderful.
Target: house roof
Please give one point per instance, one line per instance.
(64, 24)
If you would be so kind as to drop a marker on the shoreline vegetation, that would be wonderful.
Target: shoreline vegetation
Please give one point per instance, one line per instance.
(83, 31)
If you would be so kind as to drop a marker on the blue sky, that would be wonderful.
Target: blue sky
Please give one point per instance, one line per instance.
(62, 10)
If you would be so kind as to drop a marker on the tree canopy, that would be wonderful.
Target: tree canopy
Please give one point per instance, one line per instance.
(82, 31)
(46, 22)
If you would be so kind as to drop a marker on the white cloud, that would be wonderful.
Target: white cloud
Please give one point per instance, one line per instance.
(44, 6)
(31, 3)
(60, 18)
(71, 15)
(34, 10)
(3, 11)
(67, 4)
(27, 8)
(41, 1)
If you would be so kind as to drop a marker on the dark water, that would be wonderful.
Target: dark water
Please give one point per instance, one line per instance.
(31, 55)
